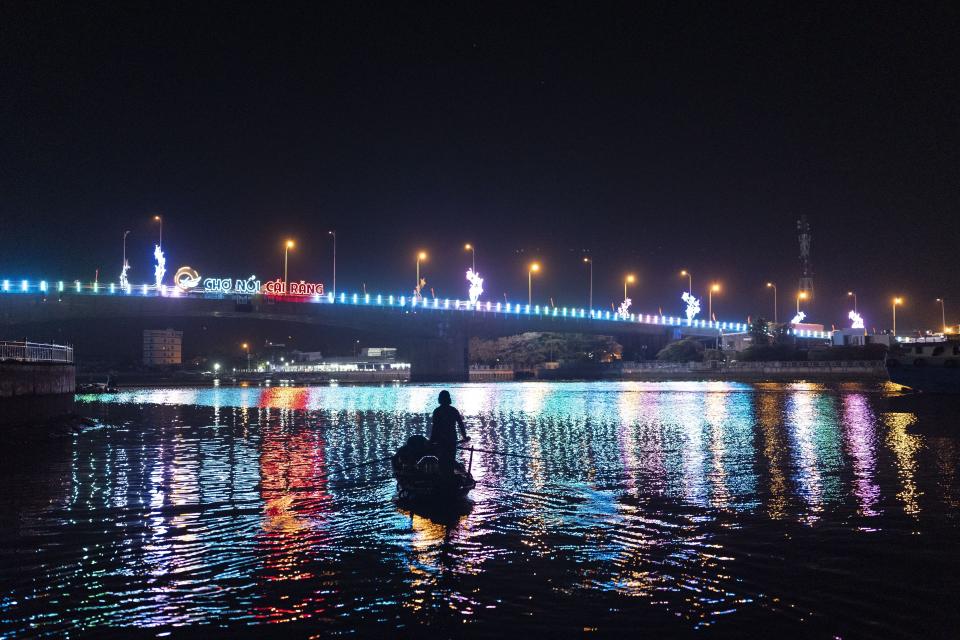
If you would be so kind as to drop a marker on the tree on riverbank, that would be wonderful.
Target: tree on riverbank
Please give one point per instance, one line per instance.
(686, 350)
(530, 349)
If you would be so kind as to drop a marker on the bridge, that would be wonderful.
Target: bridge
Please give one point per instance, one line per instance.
(431, 333)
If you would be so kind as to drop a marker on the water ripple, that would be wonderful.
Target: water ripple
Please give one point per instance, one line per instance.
(683, 507)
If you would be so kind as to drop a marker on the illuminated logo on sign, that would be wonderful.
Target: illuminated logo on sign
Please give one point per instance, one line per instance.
(186, 278)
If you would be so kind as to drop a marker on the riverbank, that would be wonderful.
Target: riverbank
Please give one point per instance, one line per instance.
(832, 371)
(32, 392)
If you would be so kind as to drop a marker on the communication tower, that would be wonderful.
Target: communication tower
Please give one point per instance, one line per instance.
(806, 271)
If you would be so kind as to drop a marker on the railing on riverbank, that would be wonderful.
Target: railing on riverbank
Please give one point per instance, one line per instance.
(854, 368)
(24, 351)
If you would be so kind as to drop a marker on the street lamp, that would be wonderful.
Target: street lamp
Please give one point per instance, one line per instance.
(420, 256)
(629, 279)
(800, 296)
(896, 301)
(771, 285)
(589, 261)
(246, 347)
(159, 219)
(533, 267)
(473, 254)
(286, 251)
(333, 234)
(713, 289)
(689, 280)
(853, 294)
(943, 314)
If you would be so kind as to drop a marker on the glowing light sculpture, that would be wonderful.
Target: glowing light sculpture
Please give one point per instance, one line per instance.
(624, 307)
(161, 266)
(123, 274)
(856, 320)
(476, 285)
(797, 319)
(693, 305)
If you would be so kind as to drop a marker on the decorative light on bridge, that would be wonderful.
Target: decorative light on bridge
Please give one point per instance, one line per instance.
(797, 319)
(693, 305)
(476, 285)
(856, 320)
(160, 267)
(123, 274)
(624, 307)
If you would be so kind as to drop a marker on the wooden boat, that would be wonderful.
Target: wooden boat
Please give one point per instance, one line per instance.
(421, 478)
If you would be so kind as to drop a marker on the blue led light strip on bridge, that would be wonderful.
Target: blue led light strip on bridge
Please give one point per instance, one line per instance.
(390, 301)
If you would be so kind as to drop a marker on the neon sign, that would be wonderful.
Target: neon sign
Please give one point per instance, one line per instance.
(228, 285)
(302, 288)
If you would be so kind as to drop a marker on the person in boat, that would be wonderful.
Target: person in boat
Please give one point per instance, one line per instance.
(443, 431)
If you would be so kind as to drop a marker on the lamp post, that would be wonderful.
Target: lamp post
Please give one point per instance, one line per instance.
(689, 280)
(246, 347)
(896, 301)
(125, 234)
(589, 261)
(286, 250)
(772, 285)
(473, 255)
(420, 256)
(713, 288)
(629, 279)
(159, 219)
(533, 267)
(802, 295)
(853, 294)
(943, 315)
(333, 234)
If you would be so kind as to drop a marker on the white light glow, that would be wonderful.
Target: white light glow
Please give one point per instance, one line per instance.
(693, 305)
(856, 320)
(160, 268)
(123, 274)
(797, 319)
(476, 285)
(624, 307)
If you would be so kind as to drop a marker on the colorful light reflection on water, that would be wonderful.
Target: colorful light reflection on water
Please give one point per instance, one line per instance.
(682, 507)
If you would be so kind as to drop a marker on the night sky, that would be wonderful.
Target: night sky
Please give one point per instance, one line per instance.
(676, 136)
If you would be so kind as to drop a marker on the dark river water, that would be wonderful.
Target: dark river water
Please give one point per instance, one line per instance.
(645, 509)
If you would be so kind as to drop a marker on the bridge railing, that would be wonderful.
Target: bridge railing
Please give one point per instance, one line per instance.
(35, 352)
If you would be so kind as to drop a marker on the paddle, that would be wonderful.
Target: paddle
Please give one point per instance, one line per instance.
(355, 466)
(499, 453)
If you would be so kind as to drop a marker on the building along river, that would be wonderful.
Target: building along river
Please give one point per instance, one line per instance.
(683, 508)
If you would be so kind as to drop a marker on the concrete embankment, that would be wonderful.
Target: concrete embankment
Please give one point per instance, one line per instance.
(34, 392)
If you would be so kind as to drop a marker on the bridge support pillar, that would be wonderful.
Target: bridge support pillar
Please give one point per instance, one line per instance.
(444, 358)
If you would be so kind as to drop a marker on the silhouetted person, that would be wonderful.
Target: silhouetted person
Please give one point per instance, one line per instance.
(443, 432)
